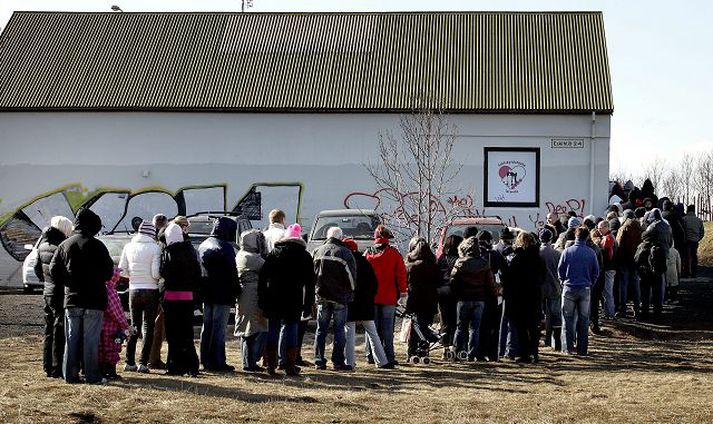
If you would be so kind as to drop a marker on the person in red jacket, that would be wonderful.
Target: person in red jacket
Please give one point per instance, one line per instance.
(390, 273)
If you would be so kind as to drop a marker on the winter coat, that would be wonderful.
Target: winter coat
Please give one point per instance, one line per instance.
(423, 277)
(578, 266)
(522, 282)
(219, 284)
(113, 323)
(659, 233)
(180, 269)
(694, 227)
(286, 281)
(678, 231)
(608, 245)
(82, 264)
(273, 234)
(52, 238)
(249, 318)
(472, 278)
(362, 308)
(628, 238)
(390, 273)
(551, 288)
(445, 265)
(673, 268)
(140, 262)
(562, 240)
(336, 272)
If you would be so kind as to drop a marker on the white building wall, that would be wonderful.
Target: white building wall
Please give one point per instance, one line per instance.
(324, 152)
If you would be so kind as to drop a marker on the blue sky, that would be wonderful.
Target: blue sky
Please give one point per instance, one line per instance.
(660, 53)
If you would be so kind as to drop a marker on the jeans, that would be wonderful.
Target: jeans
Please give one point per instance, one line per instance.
(326, 313)
(508, 343)
(608, 294)
(384, 316)
(576, 303)
(469, 315)
(182, 357)
(215, 321)
(53, 348)
(629, 281)
(252, 348)
(553, 322)
(143, 305)
(82, 331)
(282, 348)
(691, 265)
(370, 333)
(281, 332)
(653, 287)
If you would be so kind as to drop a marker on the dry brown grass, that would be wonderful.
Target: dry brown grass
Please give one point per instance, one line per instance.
(705, 250)
(624, 380)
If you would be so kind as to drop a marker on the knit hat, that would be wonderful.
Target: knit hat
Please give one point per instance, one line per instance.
(350, 243)
(146, 228)
(173, 234)
(470, 232)
(545, 235)
(294, 231)
(62, 224)
(574, 222)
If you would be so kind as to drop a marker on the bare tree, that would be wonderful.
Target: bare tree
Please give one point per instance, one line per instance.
(672, 185)
(415, 171)
(703, 176)
(655, 171)
(686, 170)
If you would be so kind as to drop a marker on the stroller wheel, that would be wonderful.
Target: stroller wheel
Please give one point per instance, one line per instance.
(462, 355)
(426, 360)
(415, 360)
(450, 355)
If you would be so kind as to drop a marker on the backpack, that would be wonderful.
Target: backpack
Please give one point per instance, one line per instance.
(657, 260)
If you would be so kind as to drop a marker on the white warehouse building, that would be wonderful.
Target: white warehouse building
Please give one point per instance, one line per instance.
(137, 113)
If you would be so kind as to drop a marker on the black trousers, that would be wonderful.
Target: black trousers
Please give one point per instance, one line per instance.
(652, 291)
(447, 309)
(596, 300)
(490, 330)
(527, 327)
(53, 347)
(182, 357)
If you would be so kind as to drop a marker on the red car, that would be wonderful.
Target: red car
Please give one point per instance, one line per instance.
(458, 225)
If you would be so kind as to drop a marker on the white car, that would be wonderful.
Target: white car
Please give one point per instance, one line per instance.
(30, 282)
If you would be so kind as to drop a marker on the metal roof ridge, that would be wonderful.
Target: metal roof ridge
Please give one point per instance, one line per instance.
(351, 13)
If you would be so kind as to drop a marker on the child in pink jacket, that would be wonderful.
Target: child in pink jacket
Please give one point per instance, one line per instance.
(115, 328)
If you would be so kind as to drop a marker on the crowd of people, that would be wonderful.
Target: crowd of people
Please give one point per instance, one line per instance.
(492, 299)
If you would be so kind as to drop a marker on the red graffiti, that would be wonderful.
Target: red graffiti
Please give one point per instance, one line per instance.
(576, 205)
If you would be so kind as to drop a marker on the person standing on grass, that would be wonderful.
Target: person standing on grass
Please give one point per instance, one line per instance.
(694, 235)
(628, 239)
(423, 278)
(488, 339)
(53, 349)
(578, 270)
(285, 294)
(140, 262)
(390, 273)
(551, 291)
(523, 280)
(276, 231)
(336, 273)
(250, 323)
(115, 328)
(159, 221)
(82, 265)
(446, 303)
(181, 274)
(471, 283)
(361, 310)
(607, 244)
(219, 289)
(651, 258)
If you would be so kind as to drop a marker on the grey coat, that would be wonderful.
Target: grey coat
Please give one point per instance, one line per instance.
(249, 319)
(551, 289)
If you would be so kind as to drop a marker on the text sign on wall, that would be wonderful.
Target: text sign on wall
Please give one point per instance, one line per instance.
(567, 143)
(512, 176)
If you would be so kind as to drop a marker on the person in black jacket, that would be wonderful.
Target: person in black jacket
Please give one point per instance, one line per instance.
(219, 289)
(285, 295)
(181, 273)
(361, 310)
(490, 321)
(423, 278)
(446, 302)
(53, 350)
(82, 265)
(523, 281)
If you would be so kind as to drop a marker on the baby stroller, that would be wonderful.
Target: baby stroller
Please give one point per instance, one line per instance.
(427, 339)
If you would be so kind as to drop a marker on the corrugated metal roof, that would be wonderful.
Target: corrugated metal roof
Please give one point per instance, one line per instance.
(458, 61)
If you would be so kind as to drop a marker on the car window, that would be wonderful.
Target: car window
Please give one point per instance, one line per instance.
(356, 227)
(459, 229)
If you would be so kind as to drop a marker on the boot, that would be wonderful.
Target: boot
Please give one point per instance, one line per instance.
(557, 334)
(271, 359)
(290, 368)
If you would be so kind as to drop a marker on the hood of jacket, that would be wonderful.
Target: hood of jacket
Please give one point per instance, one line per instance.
(53, 236)
(418, 250)
(469, 248)
(253, 241)
(87, 223)
(224, 229)
(142, 238)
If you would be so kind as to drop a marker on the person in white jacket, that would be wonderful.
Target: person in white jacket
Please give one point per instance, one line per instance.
(140, 262)
(276, 231)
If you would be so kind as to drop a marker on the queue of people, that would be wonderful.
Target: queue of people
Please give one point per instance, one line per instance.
(490, 298)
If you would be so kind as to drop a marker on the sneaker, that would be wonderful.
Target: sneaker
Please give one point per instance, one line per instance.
(143, 369)
(387, 366)
(343, 368)
(301, 362)
(132, 368)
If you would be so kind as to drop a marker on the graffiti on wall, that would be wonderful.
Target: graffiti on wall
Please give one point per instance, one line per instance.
(119, 207)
